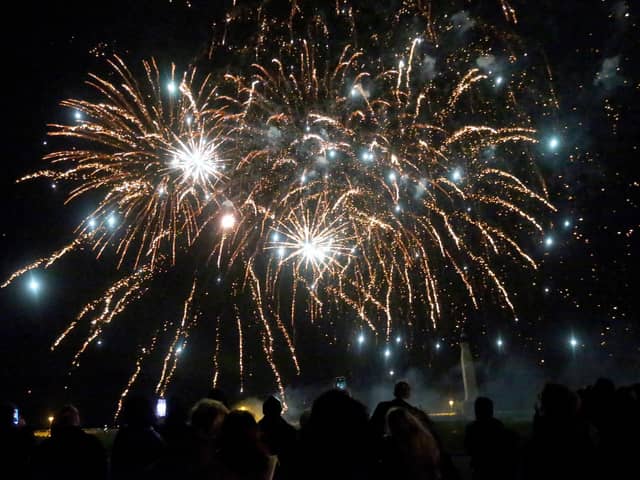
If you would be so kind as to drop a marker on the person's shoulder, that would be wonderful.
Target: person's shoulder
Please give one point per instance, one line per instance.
(383, 406)
(92, 439)
(472, 425)
(498, 423)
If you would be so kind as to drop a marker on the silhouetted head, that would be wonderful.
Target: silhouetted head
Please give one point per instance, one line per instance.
(558, 402)
(240, 447)
(239, 428)
(411, 437)
(335, 412)
(6, 414)
(137, 411)
(484, 408)
(400, 422)
(219, 395)
(402, 390)
(68, 416)
(207, 417)
(272, 407)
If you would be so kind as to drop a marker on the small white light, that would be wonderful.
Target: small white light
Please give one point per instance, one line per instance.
(281, 252)
(456, 176)
(397, 208)
(44, 142)
(573, 342)
(499, 342)
(219, 279)
(54, 186)
(189, 120)
(499, 81)
(92, 223)
(391, 373)
(228, 221)
(34, 285)
(179, 350)
(361, 339)
(332, 153)
(398, 339)
(387, 353)
(438, 346)
(548, 241)
(111, 221)
(275, 237)
(99, 343)
(554, 143)
(392, 177)
(303, 178)
(354, 92)
(77, 115)
(567, 223)
(171, 87)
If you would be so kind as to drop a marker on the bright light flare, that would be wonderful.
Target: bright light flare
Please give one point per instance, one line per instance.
(228, 221)
(34, 285)
(198, 162)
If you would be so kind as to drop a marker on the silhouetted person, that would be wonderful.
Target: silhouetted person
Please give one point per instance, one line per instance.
(137, 446)
(491, 446)
(401, 393)
(207, 418)
(278, 436)
(561, 445)
(175, 430)
(16, 444)
(184, 455)
(242, 455)
(614, 414)
(70, 453)
(410, 451)
(335, 442)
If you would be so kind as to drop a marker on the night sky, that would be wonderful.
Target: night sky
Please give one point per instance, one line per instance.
(587, 286)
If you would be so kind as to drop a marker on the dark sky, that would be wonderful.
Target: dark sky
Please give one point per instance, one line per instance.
(49, 48)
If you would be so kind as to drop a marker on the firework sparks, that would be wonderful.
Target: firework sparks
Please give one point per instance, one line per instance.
(364, 181)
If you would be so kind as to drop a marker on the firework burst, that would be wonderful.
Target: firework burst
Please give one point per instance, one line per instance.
(335, 169)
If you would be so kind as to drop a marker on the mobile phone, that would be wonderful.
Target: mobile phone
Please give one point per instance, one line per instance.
(16, 416)
(161, 408)
(341, 383)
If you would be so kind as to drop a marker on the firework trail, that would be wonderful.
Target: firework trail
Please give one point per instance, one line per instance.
(325, 168)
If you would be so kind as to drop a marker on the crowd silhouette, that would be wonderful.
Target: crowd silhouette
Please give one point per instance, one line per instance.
(591, 433)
